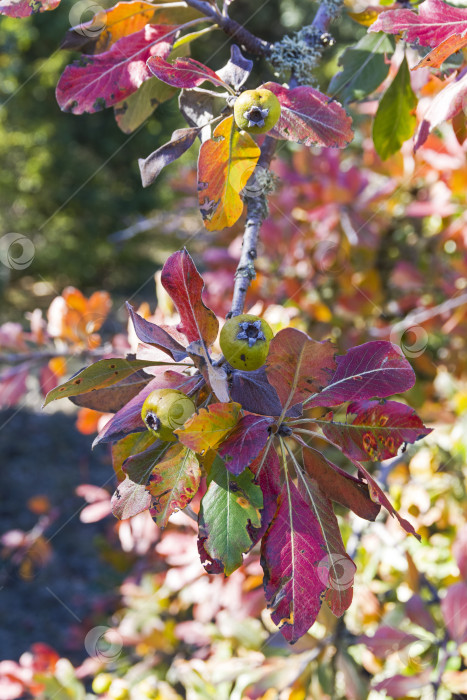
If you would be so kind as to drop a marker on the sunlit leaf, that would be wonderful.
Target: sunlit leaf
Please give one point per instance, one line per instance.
(173, 483)
(24, 8)
(207, 428)
(184, 73)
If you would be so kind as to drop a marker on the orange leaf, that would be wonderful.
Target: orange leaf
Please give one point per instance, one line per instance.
(437, 56)
(207, 428)
(225, 164)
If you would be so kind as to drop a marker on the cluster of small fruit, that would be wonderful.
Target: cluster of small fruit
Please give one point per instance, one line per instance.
(244, 341)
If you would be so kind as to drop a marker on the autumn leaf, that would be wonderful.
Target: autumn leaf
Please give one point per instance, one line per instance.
(245, 442)
(102, 373)
(207, 428)
(137, 107)
(130, 445)
(438, 55)
(229, 507)
(226, 162)
(184, 284)
(298, 366)
(184, 73)
(95, 82)
(444, 106)
(130, 499)
(151, 334)
(173, 483)
(310, 118)
(180, 141)
(24, 8)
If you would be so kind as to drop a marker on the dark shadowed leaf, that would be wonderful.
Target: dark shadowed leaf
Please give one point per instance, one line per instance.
(229, 507)
(298, 366)
(377, 430)
(373, 370)
(94, 82)
(310, 118)
(185, 285)
(139, 465)
(173, 483)
(132, 444)
(179, 143)
(199, 108)
(245, 442)
(102, 373)
(395, 120)
(184, 73)
(152, 334)
(266, 469)
(339, 486)
(255, 393)
(136, 108)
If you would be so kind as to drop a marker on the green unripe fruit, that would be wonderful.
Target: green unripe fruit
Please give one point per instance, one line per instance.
(244, 340)
(165, 410)
(257, 111)
(101, 683)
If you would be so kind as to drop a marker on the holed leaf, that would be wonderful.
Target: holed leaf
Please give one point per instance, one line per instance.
(226, 162)
(229, 507)
(173, 483)
(184, 284)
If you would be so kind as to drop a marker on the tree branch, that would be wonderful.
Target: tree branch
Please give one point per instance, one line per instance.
(254, 45)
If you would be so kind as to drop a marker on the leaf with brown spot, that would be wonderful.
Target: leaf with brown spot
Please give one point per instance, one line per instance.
(207, 428)
(173, 483)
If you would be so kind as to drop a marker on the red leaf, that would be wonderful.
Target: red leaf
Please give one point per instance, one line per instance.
(13, 384)
(310, 118)
(377, 430)
(184, 284)
(435, 22)
(245, 442)
(454, 609)
(417, 612)
(267, 475)
(184, 73)
(24, 8)
(444, 106)
(373, 370)
(339, 486)
(298, 366)
(291, 549)
(95, 82)
(154, 335)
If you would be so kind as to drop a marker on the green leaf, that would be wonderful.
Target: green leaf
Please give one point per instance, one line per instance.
(364, 67)
(395, 119)
(100, 374)
(229, 507)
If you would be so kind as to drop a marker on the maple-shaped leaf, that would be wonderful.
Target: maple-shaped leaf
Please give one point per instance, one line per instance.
(230, 506)
(151, 334)
(310, 118)
(24, 8)
(128, 419)
(444, 106)
(266, 469)
(173, 483)
(336, 567)
(373, 370)
(184, 284)
(434, 22)
(95, 82)
(184, 73)
(180, 141)
(225, 163)
(376, 431)
(340, 486)
(206, 429)
(298, 366)
(245, 442)
(291, 552)
(102, 373)
(130, 499)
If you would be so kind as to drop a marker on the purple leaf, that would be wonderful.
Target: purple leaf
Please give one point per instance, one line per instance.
(398, 686)
(376, 369)
(179, 143)
(24, 8)
(268, 476)
(130, 499)
(377, 430)
(245, 442)
(310, 118)
(237, 70)
(443, 107)
(255, 393)
(453, 607)
(387, 640)
(152, 334)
